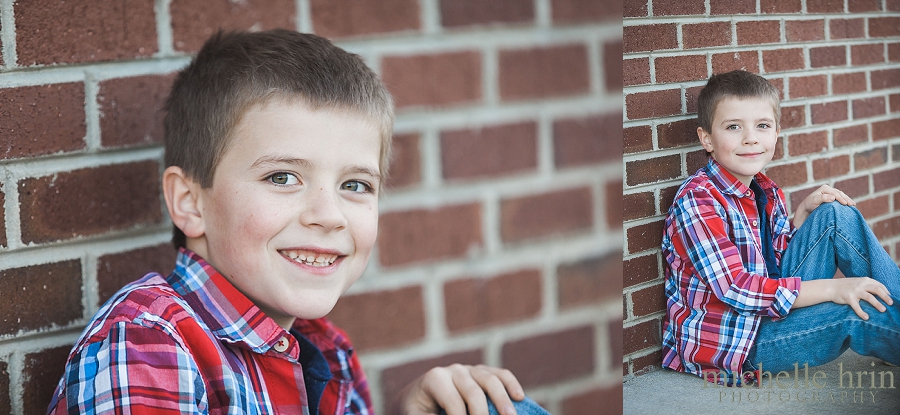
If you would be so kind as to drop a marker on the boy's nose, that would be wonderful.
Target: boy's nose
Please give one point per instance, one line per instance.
(322, 209)
(750, 137)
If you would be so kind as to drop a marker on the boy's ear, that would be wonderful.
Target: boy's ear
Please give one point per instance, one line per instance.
(705, 139)
(183, 202)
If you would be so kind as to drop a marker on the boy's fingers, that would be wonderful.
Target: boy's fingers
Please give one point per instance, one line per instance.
(512, 385)
(470, 390)
(493, 385)
(438, 384)
(858, 310)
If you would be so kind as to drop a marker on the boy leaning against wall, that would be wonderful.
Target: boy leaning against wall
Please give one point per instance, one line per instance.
(277, 145)
(746, 285)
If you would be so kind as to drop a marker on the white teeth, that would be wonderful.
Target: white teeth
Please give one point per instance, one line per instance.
(311, 259)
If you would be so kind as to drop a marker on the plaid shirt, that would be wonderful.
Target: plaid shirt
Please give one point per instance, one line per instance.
(192, 343)
(717, 288)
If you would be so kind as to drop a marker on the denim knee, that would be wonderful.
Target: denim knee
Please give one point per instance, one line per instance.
(839, 211)
(524, 407)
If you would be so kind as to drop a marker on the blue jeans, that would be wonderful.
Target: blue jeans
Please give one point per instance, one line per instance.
(523, 407)
(833, 237)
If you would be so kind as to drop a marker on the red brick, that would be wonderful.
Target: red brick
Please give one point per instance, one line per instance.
(845, 83)
(395, 379)
(780, 6)
(382, 319)
(457, 13)
(544, 72)
(874, 207)
(649, 300)
(676, 8)
(647, 363)
(702, 35)
(893, 5)
(870, 158)
(598, 401)
(131, 109)
(758, 32)
(851, 135)
(884, 26)
(831, 167)
(858, 6)
(691, 95)
(889, 179)
(194, 21)
(645, 38)
(824, 6)
(814, 142)
(89, 201)
(639, 205)
(695, 160)
(425, 235)
(489, 151)
(641, 269)
(780, 60)
(788, 174)
(808, 86)
(653, 169)
(894, 102)
(883, 130)
(5, 404)
(443, 79)
(887, 228)
(828, 112)
(635, 8)
(116, 270)
(636, 71)
(589, 281)
(342, 18)
(854, 187)
(886, 78)
(894, 52)
(867, 54)
(828, 56)
(53, 120)
(578, 360)
(730, 61)
(588, 140)
(42, 372)
(680, 68)
(577, 11)
(52, 32)
(678, 133)
(2, 215)
(612, 65)
(667, 194)
(731, 6)
(804, 30)
(406, 163)
(641, 336)
(613, 193)
(546, 214)
(847, 28)
(473, 303)
(868, 107)
(45, 295)
(644, 237)
(778, 153)
(653, 104)
(797, 196)
(638, 138)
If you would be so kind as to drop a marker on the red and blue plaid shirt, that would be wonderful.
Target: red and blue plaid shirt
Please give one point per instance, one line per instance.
(192, 343)
(717, 287)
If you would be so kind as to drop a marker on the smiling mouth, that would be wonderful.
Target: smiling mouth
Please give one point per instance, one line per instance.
(313, 259)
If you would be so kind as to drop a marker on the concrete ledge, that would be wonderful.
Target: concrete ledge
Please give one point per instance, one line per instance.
(673, 393)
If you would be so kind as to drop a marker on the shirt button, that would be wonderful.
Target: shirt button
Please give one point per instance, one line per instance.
(282, 345)
(749, 194)
(755, 222)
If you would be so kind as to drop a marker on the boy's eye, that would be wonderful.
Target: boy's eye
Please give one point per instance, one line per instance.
(355, 186)
(732, 127)
(283, 179)
(763, 125)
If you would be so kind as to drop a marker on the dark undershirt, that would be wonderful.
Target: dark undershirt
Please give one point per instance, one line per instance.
(765, 231)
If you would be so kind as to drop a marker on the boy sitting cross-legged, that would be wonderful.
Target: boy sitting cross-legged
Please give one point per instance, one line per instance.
(276, 149)
(749, 289)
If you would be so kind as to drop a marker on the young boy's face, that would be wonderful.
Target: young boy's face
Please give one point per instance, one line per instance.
(743, 136)
(292, 214)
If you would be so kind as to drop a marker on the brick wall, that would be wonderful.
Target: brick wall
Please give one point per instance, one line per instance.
(501, 227)
(837, 63)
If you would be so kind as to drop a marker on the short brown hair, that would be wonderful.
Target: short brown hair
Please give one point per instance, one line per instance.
(234, 71)
(741, 84)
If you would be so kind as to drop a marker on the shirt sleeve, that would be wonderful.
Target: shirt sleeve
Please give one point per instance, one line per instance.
(701, 225)
(139, 368)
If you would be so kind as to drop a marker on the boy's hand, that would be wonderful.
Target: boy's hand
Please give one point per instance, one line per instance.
(461, 388)
(824, 194)
(851, 291)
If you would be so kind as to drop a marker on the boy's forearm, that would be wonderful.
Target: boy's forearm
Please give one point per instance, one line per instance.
(813, 292)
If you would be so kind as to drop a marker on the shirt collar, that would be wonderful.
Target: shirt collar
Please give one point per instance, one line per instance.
(228, 313)
(728, 184)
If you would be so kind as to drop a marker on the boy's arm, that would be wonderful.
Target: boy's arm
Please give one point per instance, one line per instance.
(460, 390)
(823, 194)
(134, 367)
(701, 234)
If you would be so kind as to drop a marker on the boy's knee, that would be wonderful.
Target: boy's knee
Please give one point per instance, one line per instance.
(839, 211)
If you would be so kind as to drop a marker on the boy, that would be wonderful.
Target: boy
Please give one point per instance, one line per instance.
(750, 290)
(276, 149)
